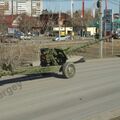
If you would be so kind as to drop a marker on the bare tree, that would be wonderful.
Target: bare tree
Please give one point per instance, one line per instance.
(78, 21)
(27, 22)
(3, 26)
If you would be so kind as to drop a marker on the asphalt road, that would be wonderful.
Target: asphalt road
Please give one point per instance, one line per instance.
(93, 94)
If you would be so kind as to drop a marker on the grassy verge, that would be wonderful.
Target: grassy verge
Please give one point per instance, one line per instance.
(31, 70)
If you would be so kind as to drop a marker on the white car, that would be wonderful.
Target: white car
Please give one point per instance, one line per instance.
(25, 37)
(68, 37)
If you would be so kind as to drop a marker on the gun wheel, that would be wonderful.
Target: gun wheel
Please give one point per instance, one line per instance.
(68, 70)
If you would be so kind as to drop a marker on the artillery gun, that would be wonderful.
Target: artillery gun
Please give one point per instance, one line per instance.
(57, 58)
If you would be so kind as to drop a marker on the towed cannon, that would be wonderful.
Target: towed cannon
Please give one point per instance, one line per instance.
(52, 60)
(53, 57)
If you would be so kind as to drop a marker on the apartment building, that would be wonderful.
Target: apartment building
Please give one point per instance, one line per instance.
(4, 6)
(30, 7)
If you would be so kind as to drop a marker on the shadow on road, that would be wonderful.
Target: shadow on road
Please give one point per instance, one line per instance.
(30, 78)
(118, 55)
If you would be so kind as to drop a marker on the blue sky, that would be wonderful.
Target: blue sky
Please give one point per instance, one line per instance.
(64, 5)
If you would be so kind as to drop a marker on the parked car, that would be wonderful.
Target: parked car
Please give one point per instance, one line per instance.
(97, 36)
(115, 36)
(18, 34)
(22, 36)
(27, 37)
(62, 38)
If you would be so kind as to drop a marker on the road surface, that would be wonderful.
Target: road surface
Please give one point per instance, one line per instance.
(93, 94)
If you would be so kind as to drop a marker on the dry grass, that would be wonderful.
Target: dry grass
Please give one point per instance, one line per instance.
(18, 53)
(93, 51)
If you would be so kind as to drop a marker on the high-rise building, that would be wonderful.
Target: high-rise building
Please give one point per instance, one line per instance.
(4, 5)
(30, 7)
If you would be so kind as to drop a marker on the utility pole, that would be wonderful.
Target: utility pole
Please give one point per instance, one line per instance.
(106, 8)
(82, 16)
(119, 9)
(59, 24)
(12, 7)
(72, 11)
(16, 6)
(71, 8)
(100, 28)
(106, 4)
(82, 8)
(31, 8)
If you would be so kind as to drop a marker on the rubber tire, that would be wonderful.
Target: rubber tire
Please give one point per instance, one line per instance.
(68, 70)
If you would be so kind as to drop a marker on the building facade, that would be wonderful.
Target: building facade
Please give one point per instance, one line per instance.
(13, 7)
